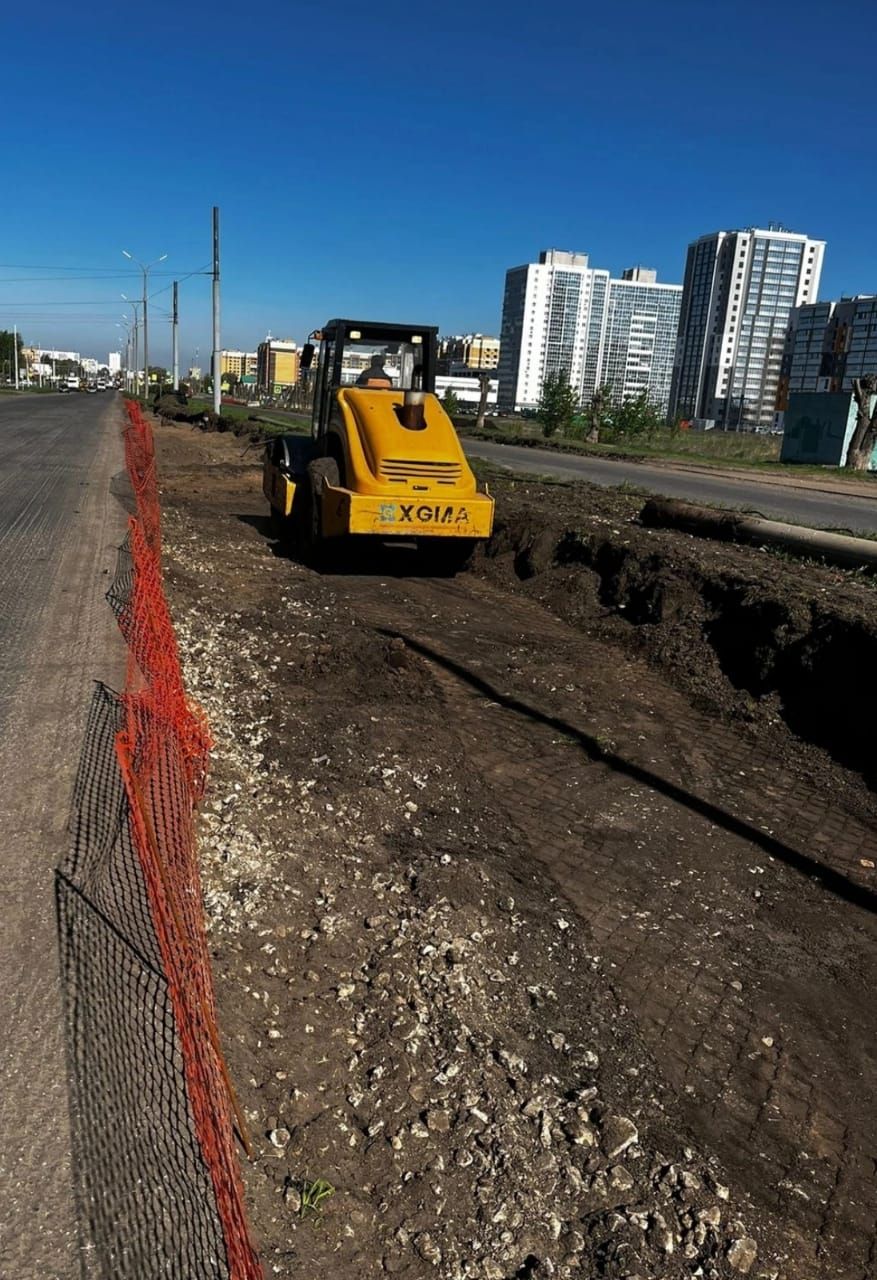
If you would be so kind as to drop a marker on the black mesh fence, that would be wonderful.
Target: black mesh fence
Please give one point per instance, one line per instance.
(145, 1198)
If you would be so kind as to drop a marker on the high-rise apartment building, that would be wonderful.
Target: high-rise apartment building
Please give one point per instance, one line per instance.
(277, 364)
(639, 338)
(828, 345)
(546, 318)
(562, 314)
(739, 291)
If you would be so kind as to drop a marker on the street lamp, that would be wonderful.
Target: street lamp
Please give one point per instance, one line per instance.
(145, 268)
(125, 326)
(134, 306)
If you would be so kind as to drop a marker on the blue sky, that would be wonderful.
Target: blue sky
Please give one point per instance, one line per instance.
(391, 160)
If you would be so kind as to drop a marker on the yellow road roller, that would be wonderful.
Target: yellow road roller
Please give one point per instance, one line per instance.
(384, 461)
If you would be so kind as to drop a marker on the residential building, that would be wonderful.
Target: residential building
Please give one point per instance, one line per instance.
(547, 325)
(828, 345)
(739, 291)
(562, 314)
(277, 364)
(639, 338)
(45, 354)
(239, 363)
(114, 362)
(458, 354)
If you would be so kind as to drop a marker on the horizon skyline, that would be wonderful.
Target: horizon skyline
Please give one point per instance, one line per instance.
(162, 342)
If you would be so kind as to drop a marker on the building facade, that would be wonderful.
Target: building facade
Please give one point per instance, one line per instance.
(639, 339)
(739, 291)
(829, 345)
(562, 314)
(467, 389)
(458, 354)
(277, 364)
(546, 321)
(238, 363)
(114, 362)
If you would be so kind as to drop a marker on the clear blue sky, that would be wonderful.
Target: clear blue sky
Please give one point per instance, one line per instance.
(392, 160)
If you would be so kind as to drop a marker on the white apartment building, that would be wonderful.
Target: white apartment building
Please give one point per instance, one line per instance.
(561, 314)
(638, 342)
(114, 362)
(547, 325)
(739, 291)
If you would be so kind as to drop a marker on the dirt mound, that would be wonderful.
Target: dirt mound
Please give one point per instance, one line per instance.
(749, 631)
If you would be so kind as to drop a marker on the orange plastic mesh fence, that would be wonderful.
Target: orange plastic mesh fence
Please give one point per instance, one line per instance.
(133, 938)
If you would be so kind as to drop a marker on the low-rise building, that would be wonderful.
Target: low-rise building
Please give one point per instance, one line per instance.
(467, 388)
(460, 353)
(819, 426)
(239, 364)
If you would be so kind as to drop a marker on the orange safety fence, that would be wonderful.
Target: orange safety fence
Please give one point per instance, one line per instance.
(157, 1172)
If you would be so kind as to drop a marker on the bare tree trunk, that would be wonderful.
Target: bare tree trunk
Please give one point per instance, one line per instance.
(484, 380)
(865, 433)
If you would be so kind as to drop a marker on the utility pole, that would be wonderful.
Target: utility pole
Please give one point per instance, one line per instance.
(176, 340)
(217, 358)
(15, 351)
(145, 343)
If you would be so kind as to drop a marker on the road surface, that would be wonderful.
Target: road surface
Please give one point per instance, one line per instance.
(59, 527)
(777, 501)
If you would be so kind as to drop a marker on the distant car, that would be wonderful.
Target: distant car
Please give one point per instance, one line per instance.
(92, 391)
(62, 387)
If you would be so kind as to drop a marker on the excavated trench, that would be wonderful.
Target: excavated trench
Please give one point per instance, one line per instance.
(722, 622)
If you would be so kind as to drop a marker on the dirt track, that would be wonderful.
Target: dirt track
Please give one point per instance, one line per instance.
(691, 932)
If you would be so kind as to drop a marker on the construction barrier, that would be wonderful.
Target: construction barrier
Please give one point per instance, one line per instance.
(154, 1113)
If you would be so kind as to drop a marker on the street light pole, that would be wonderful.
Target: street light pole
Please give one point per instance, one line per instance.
(217, 355)
(134, 306)
(146, 270)
(176, 341)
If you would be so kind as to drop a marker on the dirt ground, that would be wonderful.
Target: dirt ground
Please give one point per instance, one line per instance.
(537, 933)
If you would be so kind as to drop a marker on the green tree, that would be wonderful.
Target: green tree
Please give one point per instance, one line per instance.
(7, 353)
(557, 404)
(635, 418)
(450, 402)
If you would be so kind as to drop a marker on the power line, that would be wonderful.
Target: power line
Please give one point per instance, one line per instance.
(25, 266)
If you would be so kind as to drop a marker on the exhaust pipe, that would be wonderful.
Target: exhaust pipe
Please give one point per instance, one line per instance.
(411, 413)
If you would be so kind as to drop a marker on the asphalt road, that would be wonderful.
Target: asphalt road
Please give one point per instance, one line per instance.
(59, 527)
(777, 501)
